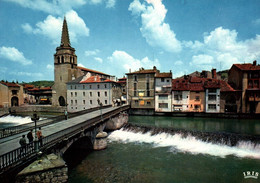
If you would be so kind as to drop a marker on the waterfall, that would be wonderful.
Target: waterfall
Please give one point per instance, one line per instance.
(215, 144)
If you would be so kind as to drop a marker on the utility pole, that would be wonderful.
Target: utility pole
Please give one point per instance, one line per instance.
(35, 118)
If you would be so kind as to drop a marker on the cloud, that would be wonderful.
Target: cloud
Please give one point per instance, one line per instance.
(256, 22)
(81, 65)
(51, 27)
(50, 67)
(59, 7)
(27, 74)
(92, 52)
(55, 7)
(14, 55)
(156, 32)
(121, 59)
(221, 47)
(100, 60)
(178, 63)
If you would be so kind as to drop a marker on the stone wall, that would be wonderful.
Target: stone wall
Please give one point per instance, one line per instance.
(50, 168)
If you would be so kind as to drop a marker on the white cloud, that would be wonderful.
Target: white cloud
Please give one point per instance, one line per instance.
(256, 22)
(122, 59)
(92, 52)
(110, 3)
(178, 63)
(100, 60)
(27, 74)
(81, 65)
(50, 67)
(13, 54)
(55, 7)
(51, 27)
(221, 48)
(156, 32)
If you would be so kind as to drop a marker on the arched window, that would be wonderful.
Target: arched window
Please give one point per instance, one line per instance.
(62, 59)
(58, 58)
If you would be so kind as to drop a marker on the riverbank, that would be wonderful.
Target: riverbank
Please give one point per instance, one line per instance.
(150, 112)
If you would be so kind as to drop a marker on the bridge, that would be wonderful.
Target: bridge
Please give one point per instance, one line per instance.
(58, 134)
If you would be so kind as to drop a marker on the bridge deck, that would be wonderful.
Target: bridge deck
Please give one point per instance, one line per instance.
(11, 143)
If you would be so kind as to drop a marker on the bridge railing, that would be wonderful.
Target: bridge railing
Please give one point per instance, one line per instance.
(5, 132)
(15, 157)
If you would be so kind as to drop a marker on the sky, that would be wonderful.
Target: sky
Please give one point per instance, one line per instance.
(116, 36)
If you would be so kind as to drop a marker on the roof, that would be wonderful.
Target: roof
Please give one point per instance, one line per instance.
(40, 89)
(248, 66)
(163, 75)
(225, 87)
(91, 79)
(10, 84)
(147, 71)
(90, 70)
(65, 39)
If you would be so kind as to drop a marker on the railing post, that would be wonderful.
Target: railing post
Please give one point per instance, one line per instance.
(35, 118)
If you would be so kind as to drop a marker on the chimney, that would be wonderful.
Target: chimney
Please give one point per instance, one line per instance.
(129, 70)
(154, 68)
(254, 63)
(214, 73)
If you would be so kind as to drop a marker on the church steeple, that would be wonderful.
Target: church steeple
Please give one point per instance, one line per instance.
(65, 39)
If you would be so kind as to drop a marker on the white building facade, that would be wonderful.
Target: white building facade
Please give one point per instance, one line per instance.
(163, 86)
(212, 100)
(85, 94)
(180, 100)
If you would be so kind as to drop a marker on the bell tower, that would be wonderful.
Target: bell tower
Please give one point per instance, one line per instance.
(65, 67)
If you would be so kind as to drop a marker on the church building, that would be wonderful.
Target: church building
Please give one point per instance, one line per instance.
(66, 69)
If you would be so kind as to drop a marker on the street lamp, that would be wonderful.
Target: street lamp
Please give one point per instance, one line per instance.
(100, 105)
(35, 118)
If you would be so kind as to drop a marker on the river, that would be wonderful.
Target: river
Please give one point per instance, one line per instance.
(154, 153)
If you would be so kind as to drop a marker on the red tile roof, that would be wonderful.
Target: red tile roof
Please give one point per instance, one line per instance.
(10, 84)
(247, 67)
(95, 79)
(225, 87)
(90, 70)
(163, 75)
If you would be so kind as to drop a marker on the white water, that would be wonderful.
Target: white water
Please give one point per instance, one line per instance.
(187, 144)
(16, 119)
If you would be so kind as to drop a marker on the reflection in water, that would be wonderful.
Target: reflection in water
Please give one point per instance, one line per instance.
(243, 126)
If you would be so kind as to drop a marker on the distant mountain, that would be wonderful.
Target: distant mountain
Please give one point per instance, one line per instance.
(41, 83)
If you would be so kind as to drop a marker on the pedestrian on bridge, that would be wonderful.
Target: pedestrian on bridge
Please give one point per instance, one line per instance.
(66, 114)
(39, 136)
(22, 142)
(30, 138)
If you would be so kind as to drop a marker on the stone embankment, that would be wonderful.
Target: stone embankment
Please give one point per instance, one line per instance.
(50, 168)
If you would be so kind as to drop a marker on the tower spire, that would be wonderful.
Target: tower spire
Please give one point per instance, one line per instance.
(65, 39)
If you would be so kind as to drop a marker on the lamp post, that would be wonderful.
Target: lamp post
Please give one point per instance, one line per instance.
(35, 118)
(100, 105)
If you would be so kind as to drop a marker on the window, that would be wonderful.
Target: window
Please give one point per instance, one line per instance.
(90, 86)
(197, 107)
(212, 90)
(162, 79)
(90, 102)
(163, 105)
(71, 93)
(84, 94)
(148, 103)
(105, 101)
(197, 92)
(75, 94)
(97, 86)
(148, 93)
(76, 102)
(212, 97)
(212, 106)
(135, 88)
(98, 93)
(71, 102)
(105, 94)
(75, 87)
(83, 86)
(60, 78)
(84, 102)
(90, 94)
(14, 92)
(177, 97)
(136, 101)
(105, 85)
(168, 80)
(135, 77)
(163, 97)
(197, 98)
